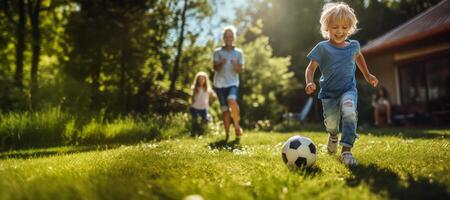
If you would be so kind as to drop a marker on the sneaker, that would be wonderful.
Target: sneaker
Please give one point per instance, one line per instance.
(332, 144)
(348, 159)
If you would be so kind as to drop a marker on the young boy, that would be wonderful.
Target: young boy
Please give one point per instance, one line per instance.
(336, 59)
(228, 63)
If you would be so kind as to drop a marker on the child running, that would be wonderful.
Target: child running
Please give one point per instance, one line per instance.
(201, 94)
(336, 57)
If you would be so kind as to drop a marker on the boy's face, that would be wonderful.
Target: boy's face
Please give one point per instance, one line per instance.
(228, 38)
(338, 32)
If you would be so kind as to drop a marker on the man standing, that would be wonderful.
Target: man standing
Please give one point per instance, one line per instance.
(228, 63)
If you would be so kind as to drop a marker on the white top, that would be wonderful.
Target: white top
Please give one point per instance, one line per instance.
(227, 76)
(201, 100)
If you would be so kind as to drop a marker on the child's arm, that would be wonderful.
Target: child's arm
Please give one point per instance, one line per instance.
(309, 77)
(192, 97)
(361, 62)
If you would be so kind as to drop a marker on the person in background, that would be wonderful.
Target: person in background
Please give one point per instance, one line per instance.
(201, 96)
(228, 63)
(381, 106)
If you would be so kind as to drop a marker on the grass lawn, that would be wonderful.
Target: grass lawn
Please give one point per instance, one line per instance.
(412, 165)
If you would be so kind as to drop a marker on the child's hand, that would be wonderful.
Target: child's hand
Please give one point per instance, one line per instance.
(310, 88)
(372, 80)
(223, 61)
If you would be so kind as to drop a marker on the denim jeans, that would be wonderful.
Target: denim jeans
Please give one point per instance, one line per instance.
(202, 113)
(342, 110)
(199, 128)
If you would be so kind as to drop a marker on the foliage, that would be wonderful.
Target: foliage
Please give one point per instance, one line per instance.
(55, 128)
(24, 130)
(265, 80)
(109, 55)
(118, 57)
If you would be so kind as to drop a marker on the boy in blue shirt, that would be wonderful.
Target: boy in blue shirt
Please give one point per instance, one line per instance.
(336, 58)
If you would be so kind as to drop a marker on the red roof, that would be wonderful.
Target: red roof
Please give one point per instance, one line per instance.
(434, 21)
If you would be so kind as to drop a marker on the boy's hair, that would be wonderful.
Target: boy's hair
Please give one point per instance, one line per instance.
(340, 12)
(195, 85)
(229, 28)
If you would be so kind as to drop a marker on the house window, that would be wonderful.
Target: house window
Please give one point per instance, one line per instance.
(413, 83)
(438, 79)
(425, 82)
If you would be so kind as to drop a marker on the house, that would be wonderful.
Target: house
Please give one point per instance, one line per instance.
(412, 63)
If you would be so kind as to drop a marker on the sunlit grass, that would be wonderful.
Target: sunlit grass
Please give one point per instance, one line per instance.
(53, 127)
(390, 167)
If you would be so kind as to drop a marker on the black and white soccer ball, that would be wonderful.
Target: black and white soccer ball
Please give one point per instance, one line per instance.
(299, 152)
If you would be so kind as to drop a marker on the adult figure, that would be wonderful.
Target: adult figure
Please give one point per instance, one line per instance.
(228, 63)
(381, 106)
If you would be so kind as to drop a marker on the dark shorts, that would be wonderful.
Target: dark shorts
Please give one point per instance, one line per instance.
(223, 94)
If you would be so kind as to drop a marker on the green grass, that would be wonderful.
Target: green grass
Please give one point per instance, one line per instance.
(410, 166)
(53, 127)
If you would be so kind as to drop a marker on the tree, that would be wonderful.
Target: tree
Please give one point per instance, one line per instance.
(20, 36)
(121, 50)
(34, 9)
(174, 75)
(266, 79)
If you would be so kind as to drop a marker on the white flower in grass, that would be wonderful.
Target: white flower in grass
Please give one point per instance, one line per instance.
(152, 146)
(193, 197)
(246, 183)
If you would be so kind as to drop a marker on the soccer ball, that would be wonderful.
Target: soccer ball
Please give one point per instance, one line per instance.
(298, 152)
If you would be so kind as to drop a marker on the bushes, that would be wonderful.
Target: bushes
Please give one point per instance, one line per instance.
(26, 129)
(54, 128)
(132, 129)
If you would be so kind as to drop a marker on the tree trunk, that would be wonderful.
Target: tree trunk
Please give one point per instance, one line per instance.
(123, 103)
(20, 45)
(176, 66)
(95, 75)
(33, 12)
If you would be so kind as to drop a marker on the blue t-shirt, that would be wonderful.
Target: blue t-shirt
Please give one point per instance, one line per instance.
(337, 65)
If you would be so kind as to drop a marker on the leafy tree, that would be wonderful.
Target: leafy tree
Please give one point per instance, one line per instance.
(9, 8)
(265, 81)
(34, 10)
(122, 51)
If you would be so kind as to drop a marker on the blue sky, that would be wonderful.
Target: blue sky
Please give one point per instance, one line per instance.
(211, 28)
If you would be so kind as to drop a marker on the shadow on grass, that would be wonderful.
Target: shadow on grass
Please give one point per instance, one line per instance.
(36, 153)
(383, 180)
(403, 132)
(225, 145)
(308, 171)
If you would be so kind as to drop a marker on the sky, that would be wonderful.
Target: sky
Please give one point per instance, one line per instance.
(211, 28)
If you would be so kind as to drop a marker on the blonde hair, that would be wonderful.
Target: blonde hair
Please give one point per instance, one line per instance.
(196, 85)
(229, 28)
(337, 12)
